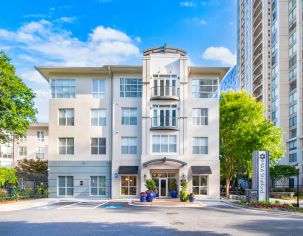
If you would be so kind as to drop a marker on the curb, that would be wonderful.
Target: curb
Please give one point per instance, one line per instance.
(283, 213)
(131, 203)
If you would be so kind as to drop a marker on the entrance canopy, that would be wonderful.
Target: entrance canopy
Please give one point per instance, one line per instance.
(163, 160)
(199, 170)
(131, 170)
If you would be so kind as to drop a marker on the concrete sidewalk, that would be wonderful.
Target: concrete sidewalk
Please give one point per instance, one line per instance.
(21, 205)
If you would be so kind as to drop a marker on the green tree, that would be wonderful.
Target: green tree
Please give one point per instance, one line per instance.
(244, 129)
(16, 102)
(7, 176)
(282, 173)
(35, 170)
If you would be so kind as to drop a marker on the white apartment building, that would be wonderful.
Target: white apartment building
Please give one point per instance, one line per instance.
(34, 145)
(270, 62)
(113, 127)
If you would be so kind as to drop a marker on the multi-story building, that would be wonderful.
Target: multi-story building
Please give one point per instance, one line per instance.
(113, 127)
(276, 65)
(34, 145)
(229, 81)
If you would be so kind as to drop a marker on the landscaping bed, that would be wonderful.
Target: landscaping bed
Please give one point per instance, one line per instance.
(270, 206)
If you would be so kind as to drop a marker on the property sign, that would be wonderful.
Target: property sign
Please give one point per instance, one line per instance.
(261, 174)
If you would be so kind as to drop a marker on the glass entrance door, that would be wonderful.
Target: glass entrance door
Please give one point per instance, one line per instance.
(163, 187)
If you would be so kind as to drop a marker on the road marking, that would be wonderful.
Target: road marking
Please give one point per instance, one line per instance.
(101, 204)
(65, 206)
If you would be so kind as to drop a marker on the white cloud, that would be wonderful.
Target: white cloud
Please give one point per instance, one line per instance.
(221, 54)
(46, 43)
(138, 39)
(195, 21)
(187, 4)
(66, 19)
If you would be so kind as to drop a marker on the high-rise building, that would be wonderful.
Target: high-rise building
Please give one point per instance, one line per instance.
(269, 46)
(229, 81)
(113, 127)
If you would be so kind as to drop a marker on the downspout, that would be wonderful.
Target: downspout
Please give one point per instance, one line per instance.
(111, 129)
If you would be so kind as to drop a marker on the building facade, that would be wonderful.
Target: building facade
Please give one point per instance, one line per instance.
(34, 145)
(230, 81)
(113, 127)
(276, 61)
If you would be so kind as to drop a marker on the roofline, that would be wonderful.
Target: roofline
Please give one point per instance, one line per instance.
(164, 49)
(39, 124)
(221, 71)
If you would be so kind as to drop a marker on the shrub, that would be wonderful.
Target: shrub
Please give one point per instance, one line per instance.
(3, 193)
(150, 184)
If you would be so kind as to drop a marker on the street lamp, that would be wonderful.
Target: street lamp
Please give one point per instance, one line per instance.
(297, 166)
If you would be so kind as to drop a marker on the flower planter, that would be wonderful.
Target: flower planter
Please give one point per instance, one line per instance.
(173, 194)
(150, 198)
(142, 199)
(192, 199)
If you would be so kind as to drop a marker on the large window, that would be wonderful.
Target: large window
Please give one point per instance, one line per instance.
(98, 146)
(292, 121)
(200, 184)
(66, 146)
(205, 88)
(200, 145)
(164, 116)
(40, 136)
(292, 145)
(98, 117)
(65, 185)
(63, 88)
(130, 87)
(98, 88)
(129, 185)
(97, 186)
(22, 151)
(129, 116)
(293, 157)
(66, 117)
(164, 143)
(200, 116)
(129, 145)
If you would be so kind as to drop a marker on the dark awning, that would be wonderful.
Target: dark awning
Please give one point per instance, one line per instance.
(133, 170)
(199, 170)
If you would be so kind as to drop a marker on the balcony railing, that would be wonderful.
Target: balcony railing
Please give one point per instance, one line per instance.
(39, 155)
(165, 92)
(164, 122)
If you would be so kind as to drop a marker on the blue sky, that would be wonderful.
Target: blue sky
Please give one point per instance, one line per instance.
(97, 32)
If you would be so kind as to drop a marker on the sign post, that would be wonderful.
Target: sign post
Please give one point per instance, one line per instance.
(260, 181)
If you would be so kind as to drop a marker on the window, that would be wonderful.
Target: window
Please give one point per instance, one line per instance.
(98, 88)
(66, 146)
(292, 133)
(22, 151)
(40, 136)
(205, 88)
(200, 184)
(164, 116)
(130, 87)
(200, 145)
(97, 186)
(40, 153)
(292, 73)
(291, 182)
(293, 121)
(292, 109)
(292, 145)
(200, 116)
(293, 97)
(129, 145)
(66, 117)
(293, 157)
(98, 146)
(63, 88)
(98, 117)
(164, 143)
(292, 86)
(129, 116)
(65, 185)
(128, 185)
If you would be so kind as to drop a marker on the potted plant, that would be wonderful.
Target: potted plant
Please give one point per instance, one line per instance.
(192, 197)
(174, 187)
(150, 184)
(184, 195)
(143, 196)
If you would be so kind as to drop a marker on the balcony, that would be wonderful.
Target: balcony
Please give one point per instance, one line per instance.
(40, 155)
(165, 93)
(164, 123)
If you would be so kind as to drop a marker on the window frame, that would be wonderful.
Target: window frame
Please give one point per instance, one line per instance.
(200, 118)
(200, 147)
(161, 136)
(98, 117)
(129, 147)
(126, 86)
(128, 186)
(99, 94)
(65, 186)
(197, 88)
(66, 146)
(200, 186)
(98, 186)
(60, 89)
(66, 117)
(130, 111)
(99, 147)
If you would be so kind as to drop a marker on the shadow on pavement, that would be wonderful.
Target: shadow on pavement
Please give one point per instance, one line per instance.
(91, 229)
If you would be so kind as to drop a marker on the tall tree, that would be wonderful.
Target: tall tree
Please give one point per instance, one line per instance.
(244, 129)
(16, 102)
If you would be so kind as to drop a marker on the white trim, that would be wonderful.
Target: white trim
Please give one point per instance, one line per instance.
(90, 190)
(65, 177)
(120, 185)
(200, 195)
